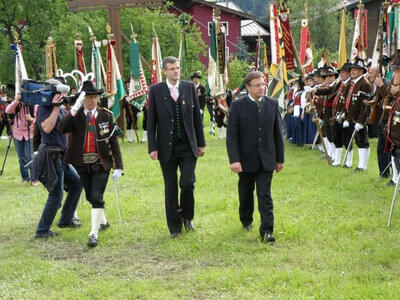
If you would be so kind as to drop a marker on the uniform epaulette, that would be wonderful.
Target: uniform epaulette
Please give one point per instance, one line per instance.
(107, 110)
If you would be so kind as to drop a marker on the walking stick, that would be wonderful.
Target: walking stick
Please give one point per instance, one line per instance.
(393, 201)
(118, 207)
(5, 158)
(349, 145)
(321, 136)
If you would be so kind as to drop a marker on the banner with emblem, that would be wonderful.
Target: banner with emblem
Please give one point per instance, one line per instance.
(115, 90)
(262, 58)
(138, 88)
(78, 57)
(156, 60)
(20, 69)
(359, 44)
(97, 62)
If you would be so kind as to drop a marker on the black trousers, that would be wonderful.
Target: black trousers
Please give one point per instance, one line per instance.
(262, 181)
(210, 111)
(183, 159)
(94, 180)
(361, 137)
(144, 119)
(383, 158)
(327, 128)
(131, 123)
(338, 135)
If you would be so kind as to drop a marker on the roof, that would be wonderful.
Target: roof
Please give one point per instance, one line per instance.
(252, 28)
(230, 5)
(232, 8)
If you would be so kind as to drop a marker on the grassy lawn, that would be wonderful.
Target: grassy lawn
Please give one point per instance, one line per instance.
(332, 239)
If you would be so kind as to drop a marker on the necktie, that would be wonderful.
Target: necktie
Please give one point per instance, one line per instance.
(174, 93)
(88, 116)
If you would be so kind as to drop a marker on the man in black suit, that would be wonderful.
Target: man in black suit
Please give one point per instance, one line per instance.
(176, 139)
(255, 149)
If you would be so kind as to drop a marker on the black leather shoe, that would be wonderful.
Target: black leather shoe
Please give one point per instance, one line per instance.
(358, 170)
(92, 242)
(267, 238)
(247, 227)
(103, 227)
(174, 235)
(45, 235)
(72, 224)
(346, 167)
(189, 226)
(390, 183)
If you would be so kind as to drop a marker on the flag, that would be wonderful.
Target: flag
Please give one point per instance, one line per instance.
(261, 58)
(342, 40)
(216, 60)
(274, 34)
(79, 58)
(51, 60)
(137, 87)
(156, 60)
(306, 54)
(359, 44)
(287, 39)
(20, 69)
(183, 55)
(115, 90)
(97, 62)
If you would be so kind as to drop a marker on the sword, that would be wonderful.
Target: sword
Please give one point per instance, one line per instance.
(118, 207)
(349, 145)
(315, 141)
(383, 172)
(393, 201)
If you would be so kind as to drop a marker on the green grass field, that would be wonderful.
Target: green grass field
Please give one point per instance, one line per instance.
(332, 239)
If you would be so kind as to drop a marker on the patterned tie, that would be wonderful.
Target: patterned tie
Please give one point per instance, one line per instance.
(88, 116)
(174, 93)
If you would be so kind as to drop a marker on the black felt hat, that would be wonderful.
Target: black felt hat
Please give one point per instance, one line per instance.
(89, 88)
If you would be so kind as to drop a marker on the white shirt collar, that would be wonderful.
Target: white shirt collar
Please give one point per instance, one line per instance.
(358, 78)
(252, 99)
(170, 84)
(347, 80)
(92, 112)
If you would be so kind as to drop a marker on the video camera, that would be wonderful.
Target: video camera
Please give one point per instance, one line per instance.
(42, 93)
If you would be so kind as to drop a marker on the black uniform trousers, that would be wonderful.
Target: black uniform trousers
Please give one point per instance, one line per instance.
(383, 158)
(338, 136)
(361, 136)
(94, 180)
(182, 157)
(262, 181)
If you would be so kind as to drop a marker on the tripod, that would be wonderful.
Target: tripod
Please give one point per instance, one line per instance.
(5, 158)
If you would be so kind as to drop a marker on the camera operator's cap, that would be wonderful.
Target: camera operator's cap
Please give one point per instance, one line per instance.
(359, 64)
(89, 88)
(195, 75)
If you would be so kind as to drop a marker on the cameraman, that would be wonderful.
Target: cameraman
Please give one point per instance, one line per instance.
(23, 133)
(4, 121)
(52, 172)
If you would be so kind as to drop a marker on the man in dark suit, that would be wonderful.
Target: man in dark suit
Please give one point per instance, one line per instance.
(255, 149)
(176, 139)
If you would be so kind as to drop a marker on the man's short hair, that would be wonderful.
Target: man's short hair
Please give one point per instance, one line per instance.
(252, 75)
(169, 60)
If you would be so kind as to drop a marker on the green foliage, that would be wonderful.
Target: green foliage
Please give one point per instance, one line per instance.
(238, 70)
(330, 225)
(52, 17)
(258, 8)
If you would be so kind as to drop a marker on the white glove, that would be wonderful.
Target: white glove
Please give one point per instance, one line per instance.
(321, 122)
(346, 124)
(358, 126)
(78, 103)
(116, 174)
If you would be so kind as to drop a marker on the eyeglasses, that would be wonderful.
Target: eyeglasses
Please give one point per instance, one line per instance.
(258, 85)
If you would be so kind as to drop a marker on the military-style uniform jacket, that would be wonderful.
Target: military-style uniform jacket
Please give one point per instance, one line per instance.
(105, 133)
(394, 123)
(201, 95)
(327, 94)
(357, 111)
(339, 100)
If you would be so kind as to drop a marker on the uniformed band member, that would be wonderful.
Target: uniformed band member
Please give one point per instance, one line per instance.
(176, 139)
(93, 128)
(357, 112)
(255, 149)
(200, 90)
